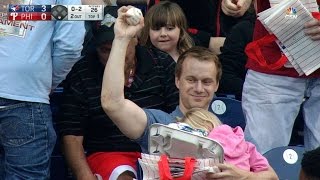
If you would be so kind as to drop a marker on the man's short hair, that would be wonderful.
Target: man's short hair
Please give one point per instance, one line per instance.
(310, 163)
(201, 54)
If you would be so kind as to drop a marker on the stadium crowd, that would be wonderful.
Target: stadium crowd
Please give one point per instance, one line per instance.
(119, 79)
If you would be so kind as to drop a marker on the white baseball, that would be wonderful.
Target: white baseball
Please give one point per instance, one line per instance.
(134, 16)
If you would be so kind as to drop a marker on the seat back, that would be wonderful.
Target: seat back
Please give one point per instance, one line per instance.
(229, 111)
(286, 161)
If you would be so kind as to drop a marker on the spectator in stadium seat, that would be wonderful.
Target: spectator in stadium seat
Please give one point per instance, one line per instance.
(310, 165)
(166, 29)
(197, 77)
(149, 76)
(35, 56)
(272, 97)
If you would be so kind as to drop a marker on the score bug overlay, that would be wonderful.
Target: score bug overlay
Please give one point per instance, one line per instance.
(55, 12)
(29, 12)
(85, 12)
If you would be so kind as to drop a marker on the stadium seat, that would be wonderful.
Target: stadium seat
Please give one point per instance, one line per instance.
(232, 96)
(286, 161)
(229, 111)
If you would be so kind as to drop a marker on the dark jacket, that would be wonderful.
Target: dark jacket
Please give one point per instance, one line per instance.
(234, 59)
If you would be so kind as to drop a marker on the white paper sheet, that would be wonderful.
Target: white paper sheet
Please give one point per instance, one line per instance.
(286, 19)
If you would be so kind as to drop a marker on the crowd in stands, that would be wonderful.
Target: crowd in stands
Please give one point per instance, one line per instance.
(118, 79)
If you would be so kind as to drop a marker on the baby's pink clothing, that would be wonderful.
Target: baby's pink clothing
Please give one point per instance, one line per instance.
(237, 151)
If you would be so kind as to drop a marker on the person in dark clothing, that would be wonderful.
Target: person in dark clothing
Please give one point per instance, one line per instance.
(83, 124)
(234, 59)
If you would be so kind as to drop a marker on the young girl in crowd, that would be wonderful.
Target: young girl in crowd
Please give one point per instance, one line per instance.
(166, 29)
(236, 150)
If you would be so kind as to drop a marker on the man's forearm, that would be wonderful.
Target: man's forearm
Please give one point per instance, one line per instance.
(76, 159)
(269, 174)
(112, 92)
(230, 171)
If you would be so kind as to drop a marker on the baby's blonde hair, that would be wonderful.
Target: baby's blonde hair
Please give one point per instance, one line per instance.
(200, 119)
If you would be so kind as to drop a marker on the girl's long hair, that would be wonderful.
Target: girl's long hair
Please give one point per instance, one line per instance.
(162, 14)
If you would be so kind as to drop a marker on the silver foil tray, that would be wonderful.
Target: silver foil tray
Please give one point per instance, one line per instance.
(180, 144)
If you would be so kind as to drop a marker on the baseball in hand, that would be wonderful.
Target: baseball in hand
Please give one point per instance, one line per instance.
(133, 16)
